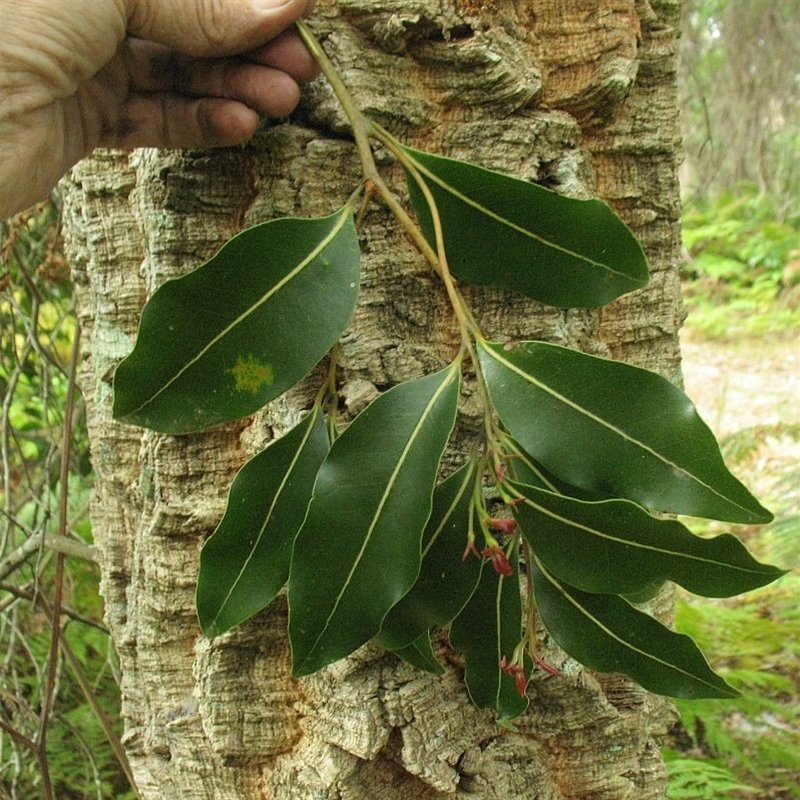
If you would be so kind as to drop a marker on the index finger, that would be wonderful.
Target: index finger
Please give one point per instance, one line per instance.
(213, 27)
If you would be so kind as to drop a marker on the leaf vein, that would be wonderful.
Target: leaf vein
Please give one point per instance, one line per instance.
(614, 636)
(251, 310)
(605, 424)
(268, 516)
(633, 543)
(381, 505)
(518, 228)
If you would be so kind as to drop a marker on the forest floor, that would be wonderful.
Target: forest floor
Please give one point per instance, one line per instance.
(746, 381)
(749, 385)
(747, 388)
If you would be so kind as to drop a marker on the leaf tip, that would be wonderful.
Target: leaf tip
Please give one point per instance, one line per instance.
(508, 723)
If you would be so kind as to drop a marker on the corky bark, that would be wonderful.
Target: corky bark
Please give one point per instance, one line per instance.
(576, 94)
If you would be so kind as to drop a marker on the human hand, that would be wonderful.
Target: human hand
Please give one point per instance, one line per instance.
(80, 74)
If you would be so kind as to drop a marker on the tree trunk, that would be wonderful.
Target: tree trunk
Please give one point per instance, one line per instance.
(576, 94)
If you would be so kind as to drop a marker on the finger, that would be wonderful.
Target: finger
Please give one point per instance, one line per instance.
(213, 27)
(288, 53)
(268, 91)
(156, 68)
(174, 121)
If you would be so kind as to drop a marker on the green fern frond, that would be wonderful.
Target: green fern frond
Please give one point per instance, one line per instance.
(693, 779)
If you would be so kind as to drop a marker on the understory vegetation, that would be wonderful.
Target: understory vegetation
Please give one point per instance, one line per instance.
(741, 265)
(750, 747)
(59, 697)
(741, 283)
(741, 234)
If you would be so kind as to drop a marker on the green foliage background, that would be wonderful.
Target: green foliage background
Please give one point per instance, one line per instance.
(741, 234)
(749, 747)
(37, 332)
(742, 264)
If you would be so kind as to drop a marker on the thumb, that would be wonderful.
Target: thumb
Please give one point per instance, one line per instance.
(213, 27)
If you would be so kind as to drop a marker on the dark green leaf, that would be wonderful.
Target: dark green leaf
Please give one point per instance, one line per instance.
(512, 234)
(488, 630)
(224, 340)
(246, 561)
(358, 551)
(605, 426)
(650, 591)
(524, 469)
(616, 547)
(446, 580)
(419, 654)
(606, 633)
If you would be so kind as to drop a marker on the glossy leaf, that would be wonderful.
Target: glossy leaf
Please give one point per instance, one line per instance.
(512, 234)
(524, 469)
(419, 654)
(487, 631)
(245, 563)
(606, 633)
(605, 426)
(446, 580)
(616, 547)
(229, 337)
(358, 551)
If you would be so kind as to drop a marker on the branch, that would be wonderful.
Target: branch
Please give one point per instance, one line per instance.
(59, 544)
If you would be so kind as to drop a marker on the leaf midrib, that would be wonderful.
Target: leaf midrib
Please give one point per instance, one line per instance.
(632, 543)
(451, 509)
(612, 635)
(339, 224)
(612, 428)
(519, 229)
(381, 505)
(498, 622)
(268, 517)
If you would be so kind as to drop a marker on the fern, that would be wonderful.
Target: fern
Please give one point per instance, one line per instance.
(755, 738)
(690, 779)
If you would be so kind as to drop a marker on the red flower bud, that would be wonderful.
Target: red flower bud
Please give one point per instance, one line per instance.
(504, 525)
(499, 560)
(517, 673)
(469, 550)
(549, 668)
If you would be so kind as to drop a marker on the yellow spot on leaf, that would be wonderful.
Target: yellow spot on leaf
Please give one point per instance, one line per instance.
(251, 374)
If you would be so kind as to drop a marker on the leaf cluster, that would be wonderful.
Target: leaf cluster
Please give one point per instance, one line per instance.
(558, 511)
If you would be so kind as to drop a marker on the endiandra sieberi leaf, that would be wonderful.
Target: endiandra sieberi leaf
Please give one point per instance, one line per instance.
(488, 630)
(508, 233)
(614, 428)
(616, 547)
(522, 468)
(606, 633)
(229, 337)
(245, 562)
(446, 580)
(419, 654)
(358, 551)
